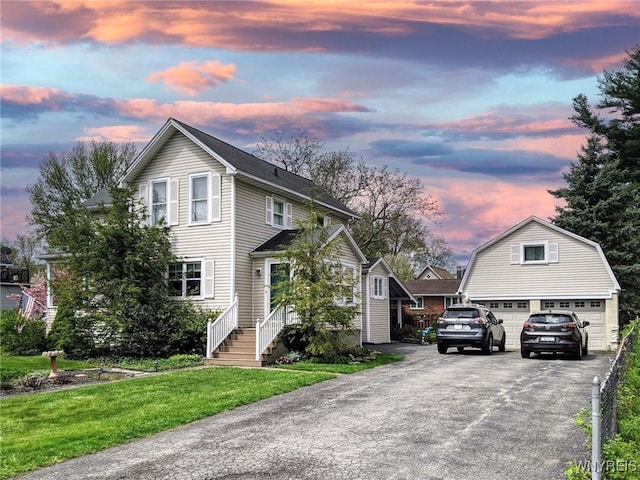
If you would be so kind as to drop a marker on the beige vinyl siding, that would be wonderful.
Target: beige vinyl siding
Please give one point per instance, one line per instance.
(578, 272)
(379, 322)
(177, 159)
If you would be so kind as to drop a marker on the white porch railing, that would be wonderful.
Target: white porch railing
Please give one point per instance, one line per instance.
(220, 329)
(268, 329)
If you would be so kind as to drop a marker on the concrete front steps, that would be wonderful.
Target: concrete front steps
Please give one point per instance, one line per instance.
(238, 350)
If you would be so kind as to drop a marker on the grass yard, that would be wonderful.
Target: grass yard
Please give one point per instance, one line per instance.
(47, 428)
(12, 367)
(42, 429)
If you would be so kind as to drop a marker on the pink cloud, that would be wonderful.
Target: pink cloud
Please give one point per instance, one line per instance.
(473, 216)
(25, 95)
(192, 78)
(235, 25)
(117, 133)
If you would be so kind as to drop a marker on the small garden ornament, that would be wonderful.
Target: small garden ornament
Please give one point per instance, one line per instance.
(53, 355)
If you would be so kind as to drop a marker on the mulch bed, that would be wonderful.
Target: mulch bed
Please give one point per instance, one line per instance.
(68, 379)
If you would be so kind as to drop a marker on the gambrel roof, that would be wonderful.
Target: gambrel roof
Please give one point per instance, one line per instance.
(534, 219)
(241, 163)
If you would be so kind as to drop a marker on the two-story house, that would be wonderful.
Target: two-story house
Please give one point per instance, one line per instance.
(228, 212)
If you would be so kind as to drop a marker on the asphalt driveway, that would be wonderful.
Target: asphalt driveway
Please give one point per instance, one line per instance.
(432, 417)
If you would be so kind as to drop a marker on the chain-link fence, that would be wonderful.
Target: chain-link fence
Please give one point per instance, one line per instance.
(609, 388)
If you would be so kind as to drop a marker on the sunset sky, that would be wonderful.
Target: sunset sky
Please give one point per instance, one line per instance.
(474, 98)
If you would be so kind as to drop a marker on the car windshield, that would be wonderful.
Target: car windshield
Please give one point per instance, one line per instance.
(461, 313)
(550, 319)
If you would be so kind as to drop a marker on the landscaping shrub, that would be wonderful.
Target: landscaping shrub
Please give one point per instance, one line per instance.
(71, 333)
(21, 336)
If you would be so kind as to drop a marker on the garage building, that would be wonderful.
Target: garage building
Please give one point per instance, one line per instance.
(536, 265)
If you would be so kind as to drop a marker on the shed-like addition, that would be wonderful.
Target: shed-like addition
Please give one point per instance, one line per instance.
(536, 265)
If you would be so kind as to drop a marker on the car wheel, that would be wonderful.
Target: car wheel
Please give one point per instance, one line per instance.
(503, 345)
(487, 348)
(578, 353)
(442, 348)
(460, 349)
(525, 353)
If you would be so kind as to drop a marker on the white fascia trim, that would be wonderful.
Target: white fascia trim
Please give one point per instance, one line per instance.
(368, 309)
(595, 296)
(233, 234)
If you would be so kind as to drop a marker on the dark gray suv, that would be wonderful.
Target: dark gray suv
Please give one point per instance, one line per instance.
(469, 325)
(554, 331)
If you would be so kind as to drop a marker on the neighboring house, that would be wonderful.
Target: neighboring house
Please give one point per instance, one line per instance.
(432, 297)
(536, 265)
(434, 273)
(228, 213)
(382, 297)
(10, 279)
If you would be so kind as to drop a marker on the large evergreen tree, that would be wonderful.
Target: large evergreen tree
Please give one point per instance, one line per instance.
(602, 196)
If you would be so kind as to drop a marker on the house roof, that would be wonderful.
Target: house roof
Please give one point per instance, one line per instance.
(103, 197)
(551, 226)
(434, 288)
(238, 162)
(397, 288)
(441, 273)
(284, 238)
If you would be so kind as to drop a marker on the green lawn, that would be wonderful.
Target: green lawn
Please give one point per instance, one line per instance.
(13, 367)
(38, 430)
(46, 428)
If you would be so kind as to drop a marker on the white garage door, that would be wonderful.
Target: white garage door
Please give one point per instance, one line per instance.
(589, 310)
(513, 315)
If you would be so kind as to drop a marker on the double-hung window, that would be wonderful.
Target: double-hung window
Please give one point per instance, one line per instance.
(159, 201)
(204, 198)
(278, 213)
(379, 287)
(160, 197)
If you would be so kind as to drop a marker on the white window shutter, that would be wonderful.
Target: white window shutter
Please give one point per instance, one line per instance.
(216, 197)
(289, 214)
(174, 207)
(209, 279)
(515, 254)
(268, 216)
(554, 256)
(385, 292)
(142, 198)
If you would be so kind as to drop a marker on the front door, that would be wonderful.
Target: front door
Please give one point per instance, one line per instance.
(277, 273)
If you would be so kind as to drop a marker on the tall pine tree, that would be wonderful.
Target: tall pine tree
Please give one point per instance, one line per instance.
(602, 196)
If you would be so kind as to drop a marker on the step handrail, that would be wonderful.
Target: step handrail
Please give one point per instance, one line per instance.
(221, 328)
(269, 328)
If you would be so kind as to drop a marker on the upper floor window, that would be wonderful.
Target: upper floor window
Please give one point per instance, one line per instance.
(534, 253)
(159, 199)
(278, 213)
(379, 287)
(204, 197)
